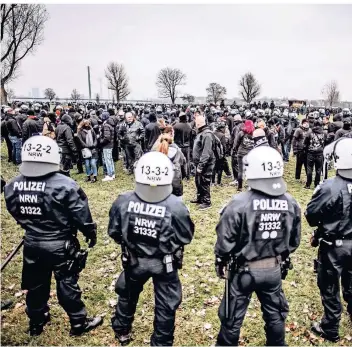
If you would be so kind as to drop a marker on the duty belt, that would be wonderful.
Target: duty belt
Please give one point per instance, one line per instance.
(263, 263)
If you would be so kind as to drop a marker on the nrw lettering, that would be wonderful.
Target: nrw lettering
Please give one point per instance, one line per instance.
(270, 217)
(28, 198)
(145, 223)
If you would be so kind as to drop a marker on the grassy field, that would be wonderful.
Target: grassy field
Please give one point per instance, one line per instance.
(197, 322)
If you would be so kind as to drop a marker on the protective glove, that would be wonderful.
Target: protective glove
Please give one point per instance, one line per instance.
(220, 267)
(92, 241)
(199, 170)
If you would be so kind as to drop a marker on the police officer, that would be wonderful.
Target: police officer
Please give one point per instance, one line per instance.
(330, 210)
(152, 226)
(258, 230)
(51, 208)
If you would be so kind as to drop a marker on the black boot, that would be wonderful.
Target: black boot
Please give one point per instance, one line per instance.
(124, 337)
(88, 325)
(317, 329)
(87, 179)
(37, 329)
(94, 179)
(6, 304)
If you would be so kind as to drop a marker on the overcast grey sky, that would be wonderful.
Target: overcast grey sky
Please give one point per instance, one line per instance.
(292, 49)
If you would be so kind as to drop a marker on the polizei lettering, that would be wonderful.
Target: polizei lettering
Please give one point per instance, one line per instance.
(29, 186)
(146, 209)
(270, 205)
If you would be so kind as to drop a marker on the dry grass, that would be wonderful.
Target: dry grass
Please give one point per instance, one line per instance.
(202, 290)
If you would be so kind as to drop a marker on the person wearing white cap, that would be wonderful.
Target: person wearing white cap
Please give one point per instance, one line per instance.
(330, 210)
(152, 226)
(51, 208)
(257, 230)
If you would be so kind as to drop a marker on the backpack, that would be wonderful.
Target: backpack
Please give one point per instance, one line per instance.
(218, 148)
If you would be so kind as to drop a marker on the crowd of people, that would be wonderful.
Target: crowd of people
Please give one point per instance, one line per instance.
(257, 230)
(97, 135)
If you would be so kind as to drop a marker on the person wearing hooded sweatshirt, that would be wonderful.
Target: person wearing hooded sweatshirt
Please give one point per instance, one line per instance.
(107, 143)
(165, 144)
(314, 145)
(183, 138)
(152, 132)
(31, 126)
(65, 141)
(88, 139)
(242, 145)
(345, 129)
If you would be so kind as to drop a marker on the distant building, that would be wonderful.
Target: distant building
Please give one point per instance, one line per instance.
(35, 93)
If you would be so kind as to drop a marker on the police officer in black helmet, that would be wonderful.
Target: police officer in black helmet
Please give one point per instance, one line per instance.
(257, 232)
(152, 226)
(330, 210)
(51, 208)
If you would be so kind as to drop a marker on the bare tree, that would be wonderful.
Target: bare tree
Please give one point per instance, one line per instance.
(250, 88)
(49, 94)
(75, 95)
(188, 98)
(10, 94)
(331, 93)
(117, 80)
(215, 92)
(97, 98)
(168, 80)
(22, 28)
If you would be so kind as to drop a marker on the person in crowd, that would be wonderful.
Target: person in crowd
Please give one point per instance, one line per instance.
(133, 136)
(65, 141)
(182, 138)
(107, 143)
(204, 161)
(49, 125)
(88, 143)
(299, 149)
(314, 145)
(219, 163)
(165, 144)
(242, 145)
(152, 132)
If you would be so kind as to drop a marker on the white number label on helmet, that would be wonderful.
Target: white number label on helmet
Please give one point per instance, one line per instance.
(273, 168)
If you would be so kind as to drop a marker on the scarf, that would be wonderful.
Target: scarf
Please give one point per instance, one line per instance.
(89, 138)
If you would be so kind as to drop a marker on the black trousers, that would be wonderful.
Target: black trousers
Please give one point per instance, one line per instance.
(79, 159)
(65, 164)
(268, 287)
(301, 160)
(234, 164)
(167, 295)
(240, 170)
(314, 161)
(203, 181)
(187, 154)
(133, 153)
(334, 264)
(218, 170)
(9, 148)
(226, 167)
(38, 265)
